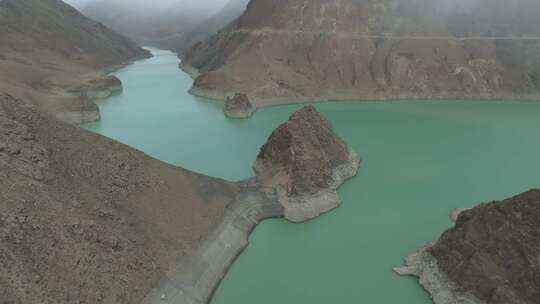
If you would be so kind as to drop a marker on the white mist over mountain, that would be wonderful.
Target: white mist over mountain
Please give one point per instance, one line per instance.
(77, 3)
(212, 6)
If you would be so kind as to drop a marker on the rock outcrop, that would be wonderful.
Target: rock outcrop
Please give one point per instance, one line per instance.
(238, 107)
(305, 162)
(99, 88)
(287, 51)
(490, 256)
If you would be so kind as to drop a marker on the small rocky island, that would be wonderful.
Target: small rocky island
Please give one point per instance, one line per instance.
(238, 107)
(490, 256)
(304, 162)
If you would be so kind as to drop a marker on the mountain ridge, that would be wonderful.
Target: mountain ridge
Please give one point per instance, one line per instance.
(294, 51)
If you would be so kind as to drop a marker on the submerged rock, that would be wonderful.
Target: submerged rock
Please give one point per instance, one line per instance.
(304, 161)
(490, 256)
(238, 107)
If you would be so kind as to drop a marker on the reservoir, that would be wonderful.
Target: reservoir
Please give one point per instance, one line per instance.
(421, 160)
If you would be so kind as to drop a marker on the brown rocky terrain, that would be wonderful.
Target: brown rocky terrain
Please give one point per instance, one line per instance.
(84, 219)
(304, 161)
(298, 50)
(48, 49)
(490, 256)
(238, 107)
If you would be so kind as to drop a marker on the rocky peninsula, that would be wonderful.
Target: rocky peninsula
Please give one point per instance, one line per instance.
(489, 256)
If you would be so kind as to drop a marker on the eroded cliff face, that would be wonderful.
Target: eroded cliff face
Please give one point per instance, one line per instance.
(295, 50)
(490, 256)
(304, 161)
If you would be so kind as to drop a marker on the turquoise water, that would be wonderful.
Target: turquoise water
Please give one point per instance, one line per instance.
(421, 160)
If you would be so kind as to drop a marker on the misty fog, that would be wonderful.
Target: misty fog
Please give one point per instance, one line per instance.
(149, 6)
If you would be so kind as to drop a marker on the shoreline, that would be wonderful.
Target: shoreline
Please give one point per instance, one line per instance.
(84, 108)
(264, 102)
(424, 266)
(350, 96)
(196, 280)
(302, 208)
(442, 290)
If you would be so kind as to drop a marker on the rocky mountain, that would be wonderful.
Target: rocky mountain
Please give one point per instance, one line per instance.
(160, 23)
(211, 26)
(490, 256)
(304, 162)
(48, 49)
(56, 26)
(296, 50)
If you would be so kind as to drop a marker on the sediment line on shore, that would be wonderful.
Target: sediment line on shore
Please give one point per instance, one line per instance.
(303, 208)
(262, 102)
(196, 280)
(442, 290)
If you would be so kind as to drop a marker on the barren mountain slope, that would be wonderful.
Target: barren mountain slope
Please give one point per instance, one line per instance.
(282, 51)
(84, 219)
(47, 47)
(160, 23)
(56, 26)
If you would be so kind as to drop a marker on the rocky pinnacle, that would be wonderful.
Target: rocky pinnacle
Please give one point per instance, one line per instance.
(304, 162)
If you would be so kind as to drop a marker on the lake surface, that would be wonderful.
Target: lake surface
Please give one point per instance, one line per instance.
(421, 160)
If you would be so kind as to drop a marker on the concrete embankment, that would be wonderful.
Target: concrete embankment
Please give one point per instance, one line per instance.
(196, 279)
